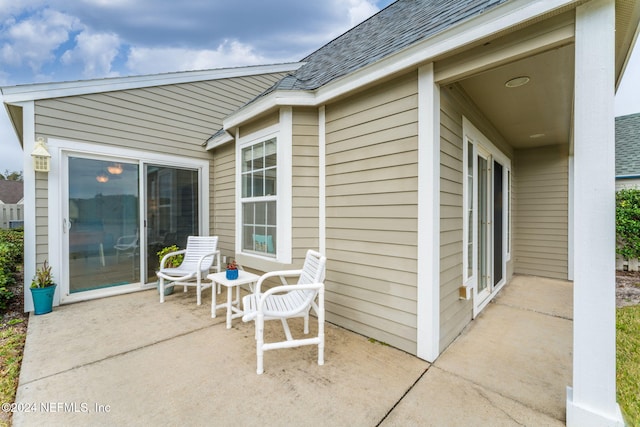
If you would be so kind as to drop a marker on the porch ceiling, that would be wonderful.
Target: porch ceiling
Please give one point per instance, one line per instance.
(538, 113)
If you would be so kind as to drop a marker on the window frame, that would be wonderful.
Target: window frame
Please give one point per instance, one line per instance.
(258, 199)
(282, 134)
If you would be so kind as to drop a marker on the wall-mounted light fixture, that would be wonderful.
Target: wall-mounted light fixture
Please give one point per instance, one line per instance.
(41, 157)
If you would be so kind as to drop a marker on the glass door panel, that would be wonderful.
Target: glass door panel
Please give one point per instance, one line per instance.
(483, 225)
(103, 206)
(172, 211)
(498, 222)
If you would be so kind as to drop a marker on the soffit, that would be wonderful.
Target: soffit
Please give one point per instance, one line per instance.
(542, 108)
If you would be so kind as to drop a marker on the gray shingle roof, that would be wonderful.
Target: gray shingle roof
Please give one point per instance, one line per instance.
(394, 28)
(628, 145)
(399, 25)
(11, 192)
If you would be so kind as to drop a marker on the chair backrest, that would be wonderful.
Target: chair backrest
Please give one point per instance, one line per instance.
(313, 269)
(197, 247)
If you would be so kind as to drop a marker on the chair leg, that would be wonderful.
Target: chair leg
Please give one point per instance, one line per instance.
(260, 343)
(287, 331)
(199, 293)
(162, 289)
(320, 314)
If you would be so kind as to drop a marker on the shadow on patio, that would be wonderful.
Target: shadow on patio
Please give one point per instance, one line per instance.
(129, 360)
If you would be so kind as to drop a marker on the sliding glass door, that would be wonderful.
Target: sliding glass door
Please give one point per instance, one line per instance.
(172, 210)
(113, 231)
(103, 224)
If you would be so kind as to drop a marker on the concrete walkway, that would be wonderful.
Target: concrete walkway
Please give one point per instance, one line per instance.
(129, 360)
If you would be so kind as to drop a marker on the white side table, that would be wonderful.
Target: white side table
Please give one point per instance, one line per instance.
(233, 307)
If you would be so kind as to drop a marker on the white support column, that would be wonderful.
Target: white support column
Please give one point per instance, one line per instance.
(30, 237)
(428, 318)
(592, 399)
(322, 180)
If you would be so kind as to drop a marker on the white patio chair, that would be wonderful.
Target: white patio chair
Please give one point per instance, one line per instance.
(200, 256)
(287, 301)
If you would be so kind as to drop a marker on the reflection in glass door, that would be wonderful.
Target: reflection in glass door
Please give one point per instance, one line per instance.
(102, 224)
(172, 210)
(483, 227)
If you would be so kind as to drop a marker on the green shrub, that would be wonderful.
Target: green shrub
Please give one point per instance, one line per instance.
(11, 258)
(628, 223)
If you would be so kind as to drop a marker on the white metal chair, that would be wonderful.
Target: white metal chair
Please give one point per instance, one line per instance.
(287, 301)
(200, 256)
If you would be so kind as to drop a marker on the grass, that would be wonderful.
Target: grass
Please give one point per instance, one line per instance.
(12, 338)
(628, 362)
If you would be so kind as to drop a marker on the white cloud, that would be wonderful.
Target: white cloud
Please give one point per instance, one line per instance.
(628, 94)
(96, 52)
(230, 53)
(32, 42)
(359, 10)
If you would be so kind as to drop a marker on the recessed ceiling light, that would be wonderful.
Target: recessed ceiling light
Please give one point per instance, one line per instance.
(517, 81)
(536, 135)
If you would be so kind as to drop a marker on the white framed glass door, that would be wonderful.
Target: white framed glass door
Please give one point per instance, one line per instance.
(485, 204)
(114, 209)
(484, 238)
(102, 223)
(172, 210)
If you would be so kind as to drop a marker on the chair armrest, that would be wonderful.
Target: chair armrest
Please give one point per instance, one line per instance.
(281, 274)
(216, 264)
(164, 258)
(216, 258)
(287, 288)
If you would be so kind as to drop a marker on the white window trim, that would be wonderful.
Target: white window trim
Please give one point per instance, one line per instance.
(283, 134)
(60, 149)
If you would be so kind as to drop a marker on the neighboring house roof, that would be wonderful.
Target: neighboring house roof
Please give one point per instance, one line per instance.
(628, 146)
(399, 25)
(11, 192)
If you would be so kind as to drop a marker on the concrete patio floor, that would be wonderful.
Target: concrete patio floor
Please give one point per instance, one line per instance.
(129, 360)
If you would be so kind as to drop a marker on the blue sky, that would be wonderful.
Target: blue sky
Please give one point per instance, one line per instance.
(62, 40)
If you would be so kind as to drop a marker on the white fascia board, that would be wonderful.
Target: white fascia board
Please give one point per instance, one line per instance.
(37, 91)
(219, 140)
(273, 100)
(477, 28)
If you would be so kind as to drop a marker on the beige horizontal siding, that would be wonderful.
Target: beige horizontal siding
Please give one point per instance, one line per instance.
(42, 218)
(260, 123)
(174, 119)
(305, 182)
(223, 204)
(371, 213)
(541, 211)
(454, 313)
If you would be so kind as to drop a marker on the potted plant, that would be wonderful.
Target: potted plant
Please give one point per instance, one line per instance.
(232, 270)
(171, 262)
(42, 289)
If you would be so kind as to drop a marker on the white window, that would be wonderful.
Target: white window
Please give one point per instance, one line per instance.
(259, 175)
